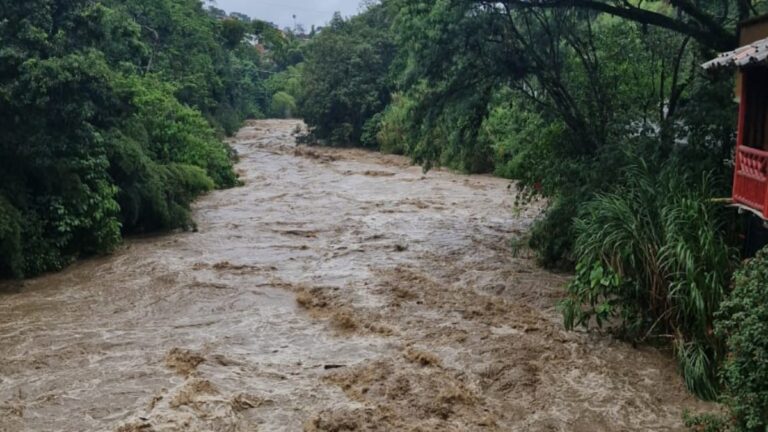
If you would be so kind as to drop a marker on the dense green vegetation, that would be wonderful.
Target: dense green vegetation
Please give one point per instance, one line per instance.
(602, 108)
(111, 118)
(650, 253)
(357, 53)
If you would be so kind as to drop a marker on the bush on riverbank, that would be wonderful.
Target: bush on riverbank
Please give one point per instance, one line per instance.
(651, 258)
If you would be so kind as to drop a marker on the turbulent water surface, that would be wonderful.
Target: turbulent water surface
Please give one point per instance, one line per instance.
(336, 290)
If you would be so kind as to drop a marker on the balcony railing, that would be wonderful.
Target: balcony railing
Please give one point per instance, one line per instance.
(750, 182)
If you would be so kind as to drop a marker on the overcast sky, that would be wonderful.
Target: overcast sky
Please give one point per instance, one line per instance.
(280, 12)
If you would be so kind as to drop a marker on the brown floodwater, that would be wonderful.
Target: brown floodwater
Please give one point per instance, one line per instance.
(337, 290)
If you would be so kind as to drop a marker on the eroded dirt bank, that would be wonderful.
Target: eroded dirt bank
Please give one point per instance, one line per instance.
(338, 290)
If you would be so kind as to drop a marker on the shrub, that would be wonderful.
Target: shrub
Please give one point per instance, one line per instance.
(175, 133)
(743, 323)
(11, 255)
(283, 105)
(285, 88)
(226, 120)
(552, 236)
(521, 140)
(707, 422)
(151, 195)
(393, 133)
(342, 135)
(371, 129)
(651, 255)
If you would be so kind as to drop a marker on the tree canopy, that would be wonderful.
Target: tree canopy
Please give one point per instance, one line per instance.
(357, 52)
(111, 115)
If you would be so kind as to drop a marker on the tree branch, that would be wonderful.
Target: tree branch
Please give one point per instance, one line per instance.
(705, 30)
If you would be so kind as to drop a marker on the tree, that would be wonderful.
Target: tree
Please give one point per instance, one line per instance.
(346, 76)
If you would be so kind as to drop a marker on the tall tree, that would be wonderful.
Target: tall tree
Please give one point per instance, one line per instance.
(346, 77)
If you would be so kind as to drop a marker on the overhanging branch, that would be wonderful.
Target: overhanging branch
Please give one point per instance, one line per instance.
(703, 27)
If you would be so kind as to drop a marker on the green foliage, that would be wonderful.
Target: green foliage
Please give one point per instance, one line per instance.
(11, 253)
(175, 133)
(457, 127)
(153, 195)
(233, 31)
(288, 81)
(244, 94)
(109, 112)
(371, 130)
(394, 127)
(52, 159)
(285, 88)
(651, 255)
(552, 236)
(523, 141)
(212, 67)
(743, 323)
(707, 422)
(286, 50)
(283, 105)
(346, 77)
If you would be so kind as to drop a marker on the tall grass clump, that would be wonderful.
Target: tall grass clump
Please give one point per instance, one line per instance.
(652, 262)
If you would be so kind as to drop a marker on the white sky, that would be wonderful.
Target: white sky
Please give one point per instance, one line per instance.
(280, 12)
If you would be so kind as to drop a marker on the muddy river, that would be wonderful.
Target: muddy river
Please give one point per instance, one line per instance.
(337, 290)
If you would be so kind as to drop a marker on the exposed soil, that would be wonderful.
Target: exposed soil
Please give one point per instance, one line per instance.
(337, 290)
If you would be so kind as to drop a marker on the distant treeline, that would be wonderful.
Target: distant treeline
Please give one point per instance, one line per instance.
(111, 118)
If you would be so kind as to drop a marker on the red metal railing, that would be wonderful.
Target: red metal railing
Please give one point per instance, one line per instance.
(750, 181)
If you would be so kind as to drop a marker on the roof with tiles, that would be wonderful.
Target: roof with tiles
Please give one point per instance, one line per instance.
(753, 54)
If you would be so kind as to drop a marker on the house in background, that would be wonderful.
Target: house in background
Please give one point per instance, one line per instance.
(750, 60)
